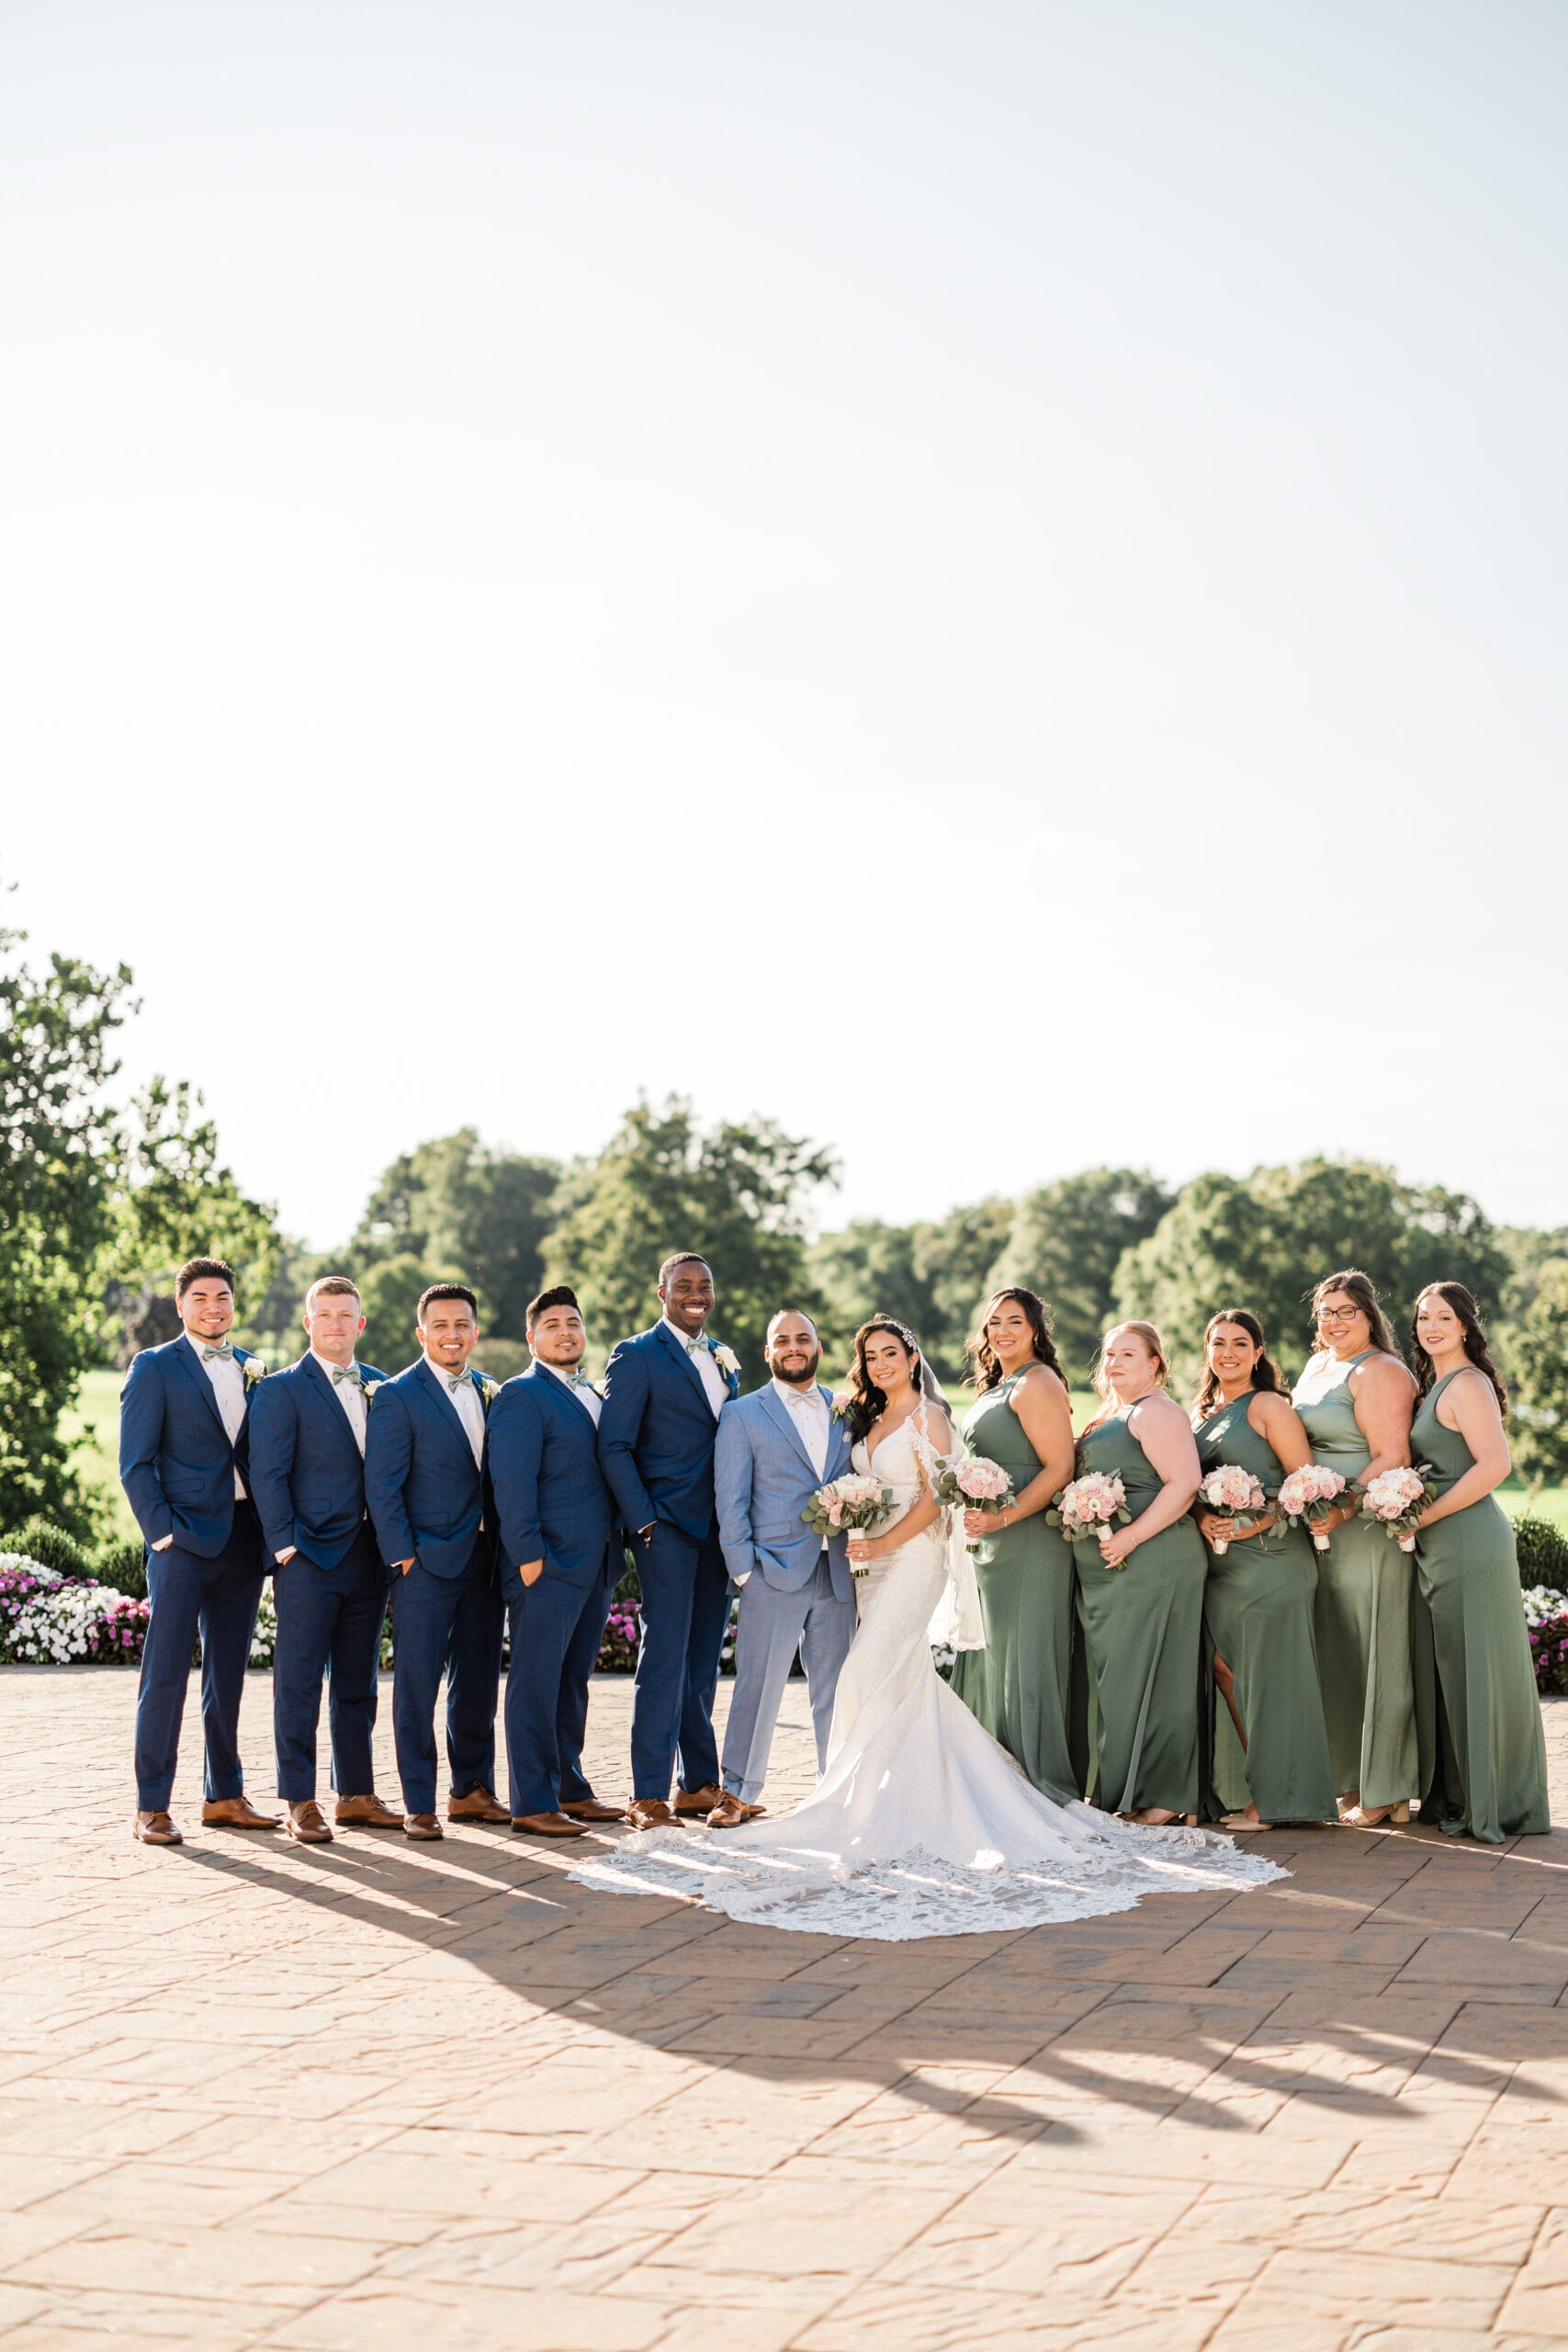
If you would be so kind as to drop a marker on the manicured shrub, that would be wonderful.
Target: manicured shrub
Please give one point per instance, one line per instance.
(1543, 1553)
(124, 1567)
(49, 1546)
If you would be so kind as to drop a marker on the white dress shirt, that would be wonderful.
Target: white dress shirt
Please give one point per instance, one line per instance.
(349, 1394)
(229, 1388)
(584, 1393)
(708, 1372)
(808, 1411)
(464, 1398)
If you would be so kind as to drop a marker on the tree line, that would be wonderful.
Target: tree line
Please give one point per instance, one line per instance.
(99, 1205)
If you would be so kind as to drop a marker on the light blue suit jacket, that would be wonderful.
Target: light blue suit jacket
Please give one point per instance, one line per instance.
(763, 1479)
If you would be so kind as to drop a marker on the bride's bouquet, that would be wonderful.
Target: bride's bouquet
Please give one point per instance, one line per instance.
(850, 1505)
(1311, 1494)
(1091, 1505)
(1235, 1494)
(1395, 1500)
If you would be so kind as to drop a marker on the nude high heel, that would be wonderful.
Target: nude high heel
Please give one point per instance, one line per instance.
(1396, 1816)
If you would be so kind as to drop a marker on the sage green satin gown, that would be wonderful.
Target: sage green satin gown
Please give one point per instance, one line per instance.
(1483, 1755)
(1018, 1686)
(1257, 1613)
(1143, 1638)
(1365, 1591)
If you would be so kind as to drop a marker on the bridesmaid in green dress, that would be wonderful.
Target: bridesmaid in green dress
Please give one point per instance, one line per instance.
(1257, 1601)
(1484, 1758)
(1355, 1400)
(1018, 1685)
(1141, 1588)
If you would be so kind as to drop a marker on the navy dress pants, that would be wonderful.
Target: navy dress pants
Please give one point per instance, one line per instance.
(685, 1606)
(451, 1625)
(556, 1632)
(217, 1598)
(329, 1622)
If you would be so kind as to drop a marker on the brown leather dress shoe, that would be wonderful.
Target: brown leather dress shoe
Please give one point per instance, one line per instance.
(365, 1813)
(589, 1809)
(156, 1829)
(650, 1813)
(703, 1800)
(730, 1811)
(236, 1813)
(307, 1824)
(548, 1825)
(479, 1804)
(422, 1825)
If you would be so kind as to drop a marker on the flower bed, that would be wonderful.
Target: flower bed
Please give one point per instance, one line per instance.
(1546, 1615)
(47, 1618)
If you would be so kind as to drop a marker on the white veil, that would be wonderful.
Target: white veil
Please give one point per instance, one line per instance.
(956, 1622)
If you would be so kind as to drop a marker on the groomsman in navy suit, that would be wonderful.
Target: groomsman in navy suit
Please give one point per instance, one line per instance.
(307, 1455)
(182, 1418)
(663, 1392)
(560, 1555)
(424, 1481)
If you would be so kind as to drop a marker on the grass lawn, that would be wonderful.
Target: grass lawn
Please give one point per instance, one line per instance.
(96, 1417)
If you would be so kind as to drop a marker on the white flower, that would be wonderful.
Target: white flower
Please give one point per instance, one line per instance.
(489, 1389)
(727, 1362)
(253, 1370)
(369, 1388)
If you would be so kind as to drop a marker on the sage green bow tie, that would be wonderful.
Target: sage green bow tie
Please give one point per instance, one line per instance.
(346, 1372)
(455, 1381)
(224, 1353)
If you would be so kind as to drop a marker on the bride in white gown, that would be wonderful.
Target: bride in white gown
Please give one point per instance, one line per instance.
(920, 1825)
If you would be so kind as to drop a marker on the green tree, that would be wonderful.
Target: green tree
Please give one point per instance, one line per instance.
(1262, 1240)
(1540, 1358)
(477, 1212)
(738, 1194)
(389, 1292)
(176, 1199)
(60, 1157)
(1067, 1242)
(866, 1269)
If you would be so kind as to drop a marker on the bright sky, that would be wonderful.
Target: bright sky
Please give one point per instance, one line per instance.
(986, 580)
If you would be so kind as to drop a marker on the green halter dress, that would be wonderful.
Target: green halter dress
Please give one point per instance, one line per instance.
(1019, 1684)
(1483, 1756)
(1142, 1636)
(1364, 1610)
(1257, 1613)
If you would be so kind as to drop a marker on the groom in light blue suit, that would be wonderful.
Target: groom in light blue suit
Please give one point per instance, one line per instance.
(775, 1448)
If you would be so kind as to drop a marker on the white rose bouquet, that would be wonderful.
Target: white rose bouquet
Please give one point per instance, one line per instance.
(1235, 1494)
(849, 1505)
(1395, 1500)
(1091, 1505)
(1311, 1494)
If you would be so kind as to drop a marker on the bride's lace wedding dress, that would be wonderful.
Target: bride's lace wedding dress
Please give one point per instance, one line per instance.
(921, 1824)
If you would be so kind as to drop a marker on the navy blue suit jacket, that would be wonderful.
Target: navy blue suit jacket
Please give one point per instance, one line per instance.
(551, 1497)
(425, 1491)
(176, 1461)
(657, 1432)
(307, 1478)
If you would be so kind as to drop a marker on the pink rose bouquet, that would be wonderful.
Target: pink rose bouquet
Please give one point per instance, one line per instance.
(1091, 1505)
(1235, 1494)
(847, 1505)
(976, 1485)
(1395, 1500)
(1311, 1494)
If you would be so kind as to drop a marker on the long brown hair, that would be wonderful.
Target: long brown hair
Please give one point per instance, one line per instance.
(1464, 1304)
(1363, 1290)
(1265, 1372)
(867, 1404)
(988, 1370)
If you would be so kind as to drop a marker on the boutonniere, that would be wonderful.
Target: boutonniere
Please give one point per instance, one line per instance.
(726, 1360)
(839, 1408)
(369, 1389)
(489, 1389)
(253, 1370)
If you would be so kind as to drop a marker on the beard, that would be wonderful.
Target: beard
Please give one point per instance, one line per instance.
(794, 1379)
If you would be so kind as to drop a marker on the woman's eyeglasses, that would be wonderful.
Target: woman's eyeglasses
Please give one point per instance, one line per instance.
(1339, 1313)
